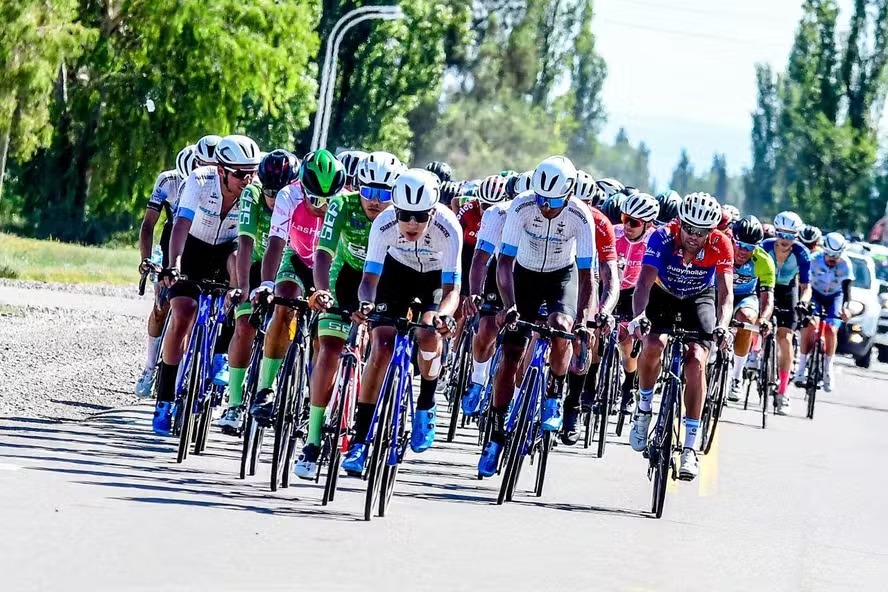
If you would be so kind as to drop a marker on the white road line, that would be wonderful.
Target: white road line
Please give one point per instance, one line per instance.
(7, 467)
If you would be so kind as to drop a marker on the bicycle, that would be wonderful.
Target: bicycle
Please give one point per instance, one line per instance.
(815, 361)
(764, 375)
(460, 375)
(524, 433)
(388, 436)
(193, 398)
(716, 388)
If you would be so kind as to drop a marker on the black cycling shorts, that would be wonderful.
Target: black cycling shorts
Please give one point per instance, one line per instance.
(491, 288)
(202, 262)
(785, 300)
(623, 310)
(165, 241)
(697, 313)
(400, 285)
(466, 256)
(557, 289)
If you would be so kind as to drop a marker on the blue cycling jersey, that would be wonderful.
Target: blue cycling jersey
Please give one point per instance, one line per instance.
(828, 280)
(798, 263)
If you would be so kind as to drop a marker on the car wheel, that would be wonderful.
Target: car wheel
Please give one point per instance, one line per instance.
(883, 353)
(865, 360)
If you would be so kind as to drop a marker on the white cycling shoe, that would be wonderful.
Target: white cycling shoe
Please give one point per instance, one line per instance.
(689, 468)
(638, 436)
(782, 403)
(232, 419)
(827, 381)
(145, 382)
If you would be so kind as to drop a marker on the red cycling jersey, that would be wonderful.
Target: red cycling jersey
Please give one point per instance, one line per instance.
(469, 216)
(605, 240)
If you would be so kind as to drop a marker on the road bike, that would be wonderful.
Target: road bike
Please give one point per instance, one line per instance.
(763, 374)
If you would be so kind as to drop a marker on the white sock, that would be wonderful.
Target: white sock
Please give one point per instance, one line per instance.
(692, 428)
(827, 364)
(647, 397)
(803, 363)
(479, 371)
(154, 344)
(739, 363)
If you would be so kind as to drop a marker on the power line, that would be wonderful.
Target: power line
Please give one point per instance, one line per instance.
(694, 34)
(760, 17)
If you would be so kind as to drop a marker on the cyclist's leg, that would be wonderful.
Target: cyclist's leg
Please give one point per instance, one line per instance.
(156, 319)
(785, 300)
(745, 311)
(699, 315)
(630, 364)
(832, 314)
(483, 344)
(239, 348)
(806, 339)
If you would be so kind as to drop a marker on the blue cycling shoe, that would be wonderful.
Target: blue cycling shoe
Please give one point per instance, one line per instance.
(163, 418)
(553, 414)
(262, 408)
(423, 435)
(472, 399)
(355, 459)
(220, 369)
(489, 459)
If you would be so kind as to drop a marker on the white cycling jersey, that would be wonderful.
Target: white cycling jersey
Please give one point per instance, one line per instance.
(201, 202)
(549, 244)
(490, 235)
(165, 195)
(438, 249)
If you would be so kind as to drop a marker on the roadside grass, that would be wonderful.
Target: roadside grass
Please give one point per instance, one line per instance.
(54, 261)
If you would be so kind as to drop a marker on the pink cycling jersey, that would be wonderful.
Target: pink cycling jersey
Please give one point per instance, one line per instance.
(629, 256)
(293, 222)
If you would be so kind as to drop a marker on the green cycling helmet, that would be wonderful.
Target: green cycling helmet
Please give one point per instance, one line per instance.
(322, 174)
(508, 173)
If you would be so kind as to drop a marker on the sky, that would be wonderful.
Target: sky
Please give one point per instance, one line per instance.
(681, 73)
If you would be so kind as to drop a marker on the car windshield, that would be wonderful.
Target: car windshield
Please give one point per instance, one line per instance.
(862, 278)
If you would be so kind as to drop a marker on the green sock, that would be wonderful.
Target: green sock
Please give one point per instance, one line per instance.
(236, 385)
(315, 424)
(268, 370)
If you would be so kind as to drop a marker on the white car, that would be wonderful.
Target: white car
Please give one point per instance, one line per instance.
(879, 254)
(858, 335)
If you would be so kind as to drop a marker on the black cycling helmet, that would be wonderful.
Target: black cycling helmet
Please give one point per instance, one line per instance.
(628, 190)
(669, 203)
(810, 235)
(450, 190)
(441, 170)
(748, 229)
(612, 208)
(277, 169)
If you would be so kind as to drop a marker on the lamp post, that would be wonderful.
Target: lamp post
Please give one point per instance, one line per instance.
(328, 71)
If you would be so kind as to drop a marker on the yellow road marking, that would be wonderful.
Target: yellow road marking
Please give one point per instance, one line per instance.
(708, 476)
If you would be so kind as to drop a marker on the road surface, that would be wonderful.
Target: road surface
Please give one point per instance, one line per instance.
(102, 505)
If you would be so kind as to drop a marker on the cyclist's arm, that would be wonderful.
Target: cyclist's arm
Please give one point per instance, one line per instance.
(321, 270)
(248, 223)
(846, 292)
(244, 260)
(367, 289)
(271, 261)
(478, 272)
(803, 258)
(766, 304)
(146, 232)
(610, 280)
(766, 272)
(725, 283)
(328, 241)
(181, 228)
(278, 234)
(587, 298)
(505, 279)
(642, 294)
(451, 267)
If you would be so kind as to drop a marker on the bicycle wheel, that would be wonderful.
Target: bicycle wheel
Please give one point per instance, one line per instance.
(516, 440)
(186, 412)
(545, 449)
(378, 450)
(389, 470)
(607, 402)
(590, 423)
(333, 443)
(815, 374)
(712, 406)
(203, 424)
(661, 449)
(768, 384)
(286, 402)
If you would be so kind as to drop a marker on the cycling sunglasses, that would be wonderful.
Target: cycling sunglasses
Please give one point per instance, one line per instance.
(631, 222)
(317, 201)
(240, 173)
(786, 235)
(745, 246)
(270, 193)
(694, 231)
(370, 193)
(407, 216)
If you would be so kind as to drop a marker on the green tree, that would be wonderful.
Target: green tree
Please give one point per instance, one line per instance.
(759, 180)
(683, 175)
(587, 80)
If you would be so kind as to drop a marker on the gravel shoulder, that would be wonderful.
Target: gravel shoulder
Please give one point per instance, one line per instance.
(68, 351)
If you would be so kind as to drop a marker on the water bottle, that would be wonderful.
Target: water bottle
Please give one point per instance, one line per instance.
(157, 259)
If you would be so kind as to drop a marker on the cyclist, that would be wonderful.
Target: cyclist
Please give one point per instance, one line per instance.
(450, 192)
(295, 224)
(276, 170)
(546, 257)
(202, 245)
(754, 280)
(670, 202)
(338, 264)
(165, 196)
(205, 150)
(588, 190)
(483, 289)
(684, 263)
(793, 264)
(810, 237)
(398, 271)
(831, 275)
(441, 170)
(639, 213)
(350, 160)
(610, 187)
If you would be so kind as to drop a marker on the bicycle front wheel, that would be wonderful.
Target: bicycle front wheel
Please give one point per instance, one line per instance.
(712, 406)
(378, 450)
(662, 448)
(815, 375)
(390, 470)
(186, 412)
(286, 404)
(517, 439)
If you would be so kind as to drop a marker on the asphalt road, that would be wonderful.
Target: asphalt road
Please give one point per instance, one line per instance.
(102, 505)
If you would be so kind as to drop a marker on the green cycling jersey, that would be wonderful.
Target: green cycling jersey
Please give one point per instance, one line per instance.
(346, 231)
(255, 219)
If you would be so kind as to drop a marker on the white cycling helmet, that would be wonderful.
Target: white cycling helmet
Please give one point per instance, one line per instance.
(522, 183)
(587, 189)
(186, 161)
(205, 149)
(553, 178)
(788, 222)
(416, 190)
(834, 244)
(610, 186)
(700, 210)
(379, 169)
(641, 206)
(238, 151)
(350, 159)
(732, 211)
(492, 190)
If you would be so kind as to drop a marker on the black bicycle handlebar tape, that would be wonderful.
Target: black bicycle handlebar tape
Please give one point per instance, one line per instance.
(636, 349)
(300, 304)
(142, 281)
(545, 331)
(401, 324)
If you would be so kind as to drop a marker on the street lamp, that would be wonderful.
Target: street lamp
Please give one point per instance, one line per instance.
(328, 72)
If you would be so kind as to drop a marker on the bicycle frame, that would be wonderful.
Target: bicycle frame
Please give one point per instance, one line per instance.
(535, 371)
(403, 354)
(210, 316)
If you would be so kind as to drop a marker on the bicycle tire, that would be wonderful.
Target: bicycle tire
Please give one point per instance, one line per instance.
(187, 409)
(516, 442)
(461, 371)
(378, 447)
(661, 464)
(390, 471)
(245, 445)
(334, 437)
(285, 403)
(611, 380)
(815, 376)
(590, 425)
(768, 380)
(203, 426)
(712, 405)
(545, 449)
